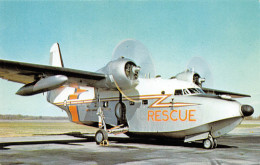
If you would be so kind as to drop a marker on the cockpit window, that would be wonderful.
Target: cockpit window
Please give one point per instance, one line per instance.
(195, 90)
(189, 91)
(201, 91)
(186, 92)
(178, 92)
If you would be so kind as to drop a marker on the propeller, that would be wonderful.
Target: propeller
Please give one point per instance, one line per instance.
(137, 52)
(201, 67)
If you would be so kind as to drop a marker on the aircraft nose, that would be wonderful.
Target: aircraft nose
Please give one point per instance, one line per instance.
(247, 110)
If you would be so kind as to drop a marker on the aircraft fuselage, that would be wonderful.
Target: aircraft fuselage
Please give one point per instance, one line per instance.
(154, 107)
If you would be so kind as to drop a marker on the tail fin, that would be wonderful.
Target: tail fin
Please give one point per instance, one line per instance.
(55, 60)
(55, 56)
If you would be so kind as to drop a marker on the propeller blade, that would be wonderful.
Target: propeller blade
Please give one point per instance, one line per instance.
(137, 52)
(201, 67)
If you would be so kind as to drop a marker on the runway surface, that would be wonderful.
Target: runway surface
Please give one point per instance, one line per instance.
(241, 146)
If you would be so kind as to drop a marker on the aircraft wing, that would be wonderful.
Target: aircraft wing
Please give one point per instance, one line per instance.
(220, 92)
(27, 73)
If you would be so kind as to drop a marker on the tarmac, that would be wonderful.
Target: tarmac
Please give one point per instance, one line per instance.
(241, 146)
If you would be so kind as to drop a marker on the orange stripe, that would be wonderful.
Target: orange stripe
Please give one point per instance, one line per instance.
(80, 90)
(76, 94)
(159, 103)
(74, 113)
(73, 96)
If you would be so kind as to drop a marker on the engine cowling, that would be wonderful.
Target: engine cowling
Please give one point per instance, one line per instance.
(190, 76)
(121, 73)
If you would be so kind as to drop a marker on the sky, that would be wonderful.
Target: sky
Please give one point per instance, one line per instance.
(225, 34)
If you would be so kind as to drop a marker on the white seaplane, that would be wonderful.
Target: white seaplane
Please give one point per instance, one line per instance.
(123, 98)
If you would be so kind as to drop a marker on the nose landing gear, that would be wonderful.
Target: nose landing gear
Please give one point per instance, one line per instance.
(210, 143)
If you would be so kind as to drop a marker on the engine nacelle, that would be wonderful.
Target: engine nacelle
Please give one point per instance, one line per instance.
(190, 76)
(121, 73)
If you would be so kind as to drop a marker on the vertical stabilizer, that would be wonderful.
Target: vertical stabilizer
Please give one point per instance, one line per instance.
(55, 60)
(55, 56)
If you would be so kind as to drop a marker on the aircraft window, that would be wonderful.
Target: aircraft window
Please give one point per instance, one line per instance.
(131, 103)
(178, 92)
(195, 90)
(189, 91)
(200, 90)
(145, 101)
(105, 104)
(186, 92)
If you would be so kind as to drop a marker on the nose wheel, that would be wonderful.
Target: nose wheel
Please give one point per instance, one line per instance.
(210, 143)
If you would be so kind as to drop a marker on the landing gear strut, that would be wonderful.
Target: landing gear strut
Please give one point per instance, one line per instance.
(210, 143)
(101, 136)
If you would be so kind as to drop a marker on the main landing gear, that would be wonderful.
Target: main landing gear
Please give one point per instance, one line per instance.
(101, 137)
(210, 143)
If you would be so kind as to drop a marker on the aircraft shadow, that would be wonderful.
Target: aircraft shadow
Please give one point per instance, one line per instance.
(113, 140)
(164, 142)
(152, 141)
(4, 146)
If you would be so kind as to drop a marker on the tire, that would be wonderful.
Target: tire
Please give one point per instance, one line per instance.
(100, 136)
(207, 144)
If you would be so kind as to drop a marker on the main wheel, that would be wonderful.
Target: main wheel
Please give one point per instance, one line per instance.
(207, 143)
(100, 136)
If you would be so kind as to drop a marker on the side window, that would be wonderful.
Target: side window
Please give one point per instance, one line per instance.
(145, 102)
(178, 92)
(131, 103)
(105, 104)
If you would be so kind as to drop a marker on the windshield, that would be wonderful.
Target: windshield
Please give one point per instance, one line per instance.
(195, 90)
(189, 91)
